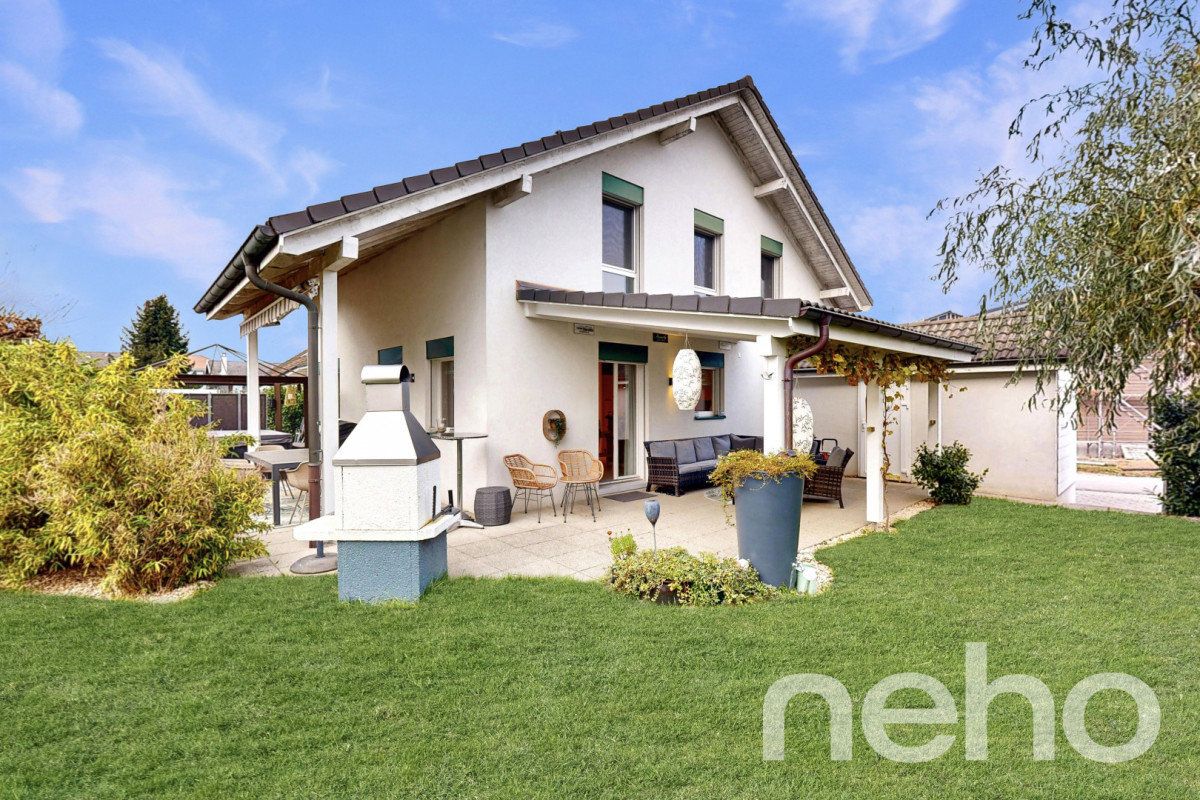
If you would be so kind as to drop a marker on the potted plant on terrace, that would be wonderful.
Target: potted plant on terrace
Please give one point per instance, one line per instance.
(767, 492)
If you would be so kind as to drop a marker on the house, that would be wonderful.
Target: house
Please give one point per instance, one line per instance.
(564, 274)
(1029, 452)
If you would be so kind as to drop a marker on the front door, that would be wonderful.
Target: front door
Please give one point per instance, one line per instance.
(618, 419)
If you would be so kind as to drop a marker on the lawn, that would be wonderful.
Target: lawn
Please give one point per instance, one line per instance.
(552, 688)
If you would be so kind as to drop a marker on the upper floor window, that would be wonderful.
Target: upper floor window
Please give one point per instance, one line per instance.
(620, 250)
(772, 251)
(706, 261)
(707, 253)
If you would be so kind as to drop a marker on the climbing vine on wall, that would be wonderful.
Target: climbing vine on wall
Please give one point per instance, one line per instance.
(890, 371)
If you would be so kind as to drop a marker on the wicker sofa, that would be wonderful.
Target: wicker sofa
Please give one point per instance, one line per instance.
(682, 464)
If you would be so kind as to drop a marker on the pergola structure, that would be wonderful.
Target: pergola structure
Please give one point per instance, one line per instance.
(769, 323)
(258, 374)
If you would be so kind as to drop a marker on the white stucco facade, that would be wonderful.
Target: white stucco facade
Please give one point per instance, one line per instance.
(444, 262)
(457, 278)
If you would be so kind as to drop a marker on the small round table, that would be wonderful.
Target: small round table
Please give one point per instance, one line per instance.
(458, 438)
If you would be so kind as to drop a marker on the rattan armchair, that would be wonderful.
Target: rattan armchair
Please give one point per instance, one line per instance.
(530, 479)
(580, 470)
(826, 484)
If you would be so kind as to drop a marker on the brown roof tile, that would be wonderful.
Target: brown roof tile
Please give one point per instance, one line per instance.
(1000, 328)
(720, 304)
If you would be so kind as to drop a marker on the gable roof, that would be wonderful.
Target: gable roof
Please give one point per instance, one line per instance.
(264, 237)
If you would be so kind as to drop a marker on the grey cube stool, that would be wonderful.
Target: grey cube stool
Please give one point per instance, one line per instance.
(493, 505)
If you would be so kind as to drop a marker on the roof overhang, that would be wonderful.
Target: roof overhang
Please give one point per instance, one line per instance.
(294, 255)
(683, 314)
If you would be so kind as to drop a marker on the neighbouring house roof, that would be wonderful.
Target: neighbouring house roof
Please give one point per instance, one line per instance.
(947, 314)
(98, 358)
(787, 308)
(1003, 324)
(264, 237)
(296, 365)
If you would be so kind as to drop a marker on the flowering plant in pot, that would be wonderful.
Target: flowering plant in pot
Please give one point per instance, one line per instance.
(767, 492)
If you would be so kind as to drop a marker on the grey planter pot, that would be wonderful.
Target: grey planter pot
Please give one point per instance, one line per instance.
(768, 525)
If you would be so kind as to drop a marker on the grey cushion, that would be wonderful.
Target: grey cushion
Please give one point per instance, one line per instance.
(704, 449)
(720, 445)
(836, 456)
(685, 452)
(661, 449)
(758, 443)
(741, 442)
(699, 466)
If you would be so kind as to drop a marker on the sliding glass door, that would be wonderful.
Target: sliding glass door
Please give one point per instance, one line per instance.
(618, 419)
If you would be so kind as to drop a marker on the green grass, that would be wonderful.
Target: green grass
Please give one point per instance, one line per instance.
(543, 688)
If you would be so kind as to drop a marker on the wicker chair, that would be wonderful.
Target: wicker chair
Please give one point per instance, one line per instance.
(580, 470)
(530, 479)
(826, 484)
(297, 479)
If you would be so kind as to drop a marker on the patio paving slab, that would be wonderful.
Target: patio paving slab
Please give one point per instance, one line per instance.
(579, 548)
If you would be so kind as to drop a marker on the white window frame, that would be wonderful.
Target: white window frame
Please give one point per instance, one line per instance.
(718, 262)
(435, 392)
(636, 250)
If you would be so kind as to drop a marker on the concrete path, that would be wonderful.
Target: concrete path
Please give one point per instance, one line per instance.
(579, 548)
(1118, 493)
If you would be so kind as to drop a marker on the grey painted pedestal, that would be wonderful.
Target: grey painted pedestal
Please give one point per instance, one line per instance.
(377, 571)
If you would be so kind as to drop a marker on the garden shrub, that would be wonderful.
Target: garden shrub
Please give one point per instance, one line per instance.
(943, 471)
(101, 471)
(675, 575)
(1175, 439)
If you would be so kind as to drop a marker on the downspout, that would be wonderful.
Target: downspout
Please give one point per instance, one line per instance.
(311, 434)
(789, 366)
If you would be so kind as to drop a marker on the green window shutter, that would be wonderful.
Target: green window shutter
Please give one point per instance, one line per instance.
(440, 348)
(391, 355)
(623, 190)
(711, 360)
(625, 353)
(772, 247)
(707, 222)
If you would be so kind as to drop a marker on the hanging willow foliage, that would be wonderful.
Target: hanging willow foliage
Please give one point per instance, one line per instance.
(1102, 244)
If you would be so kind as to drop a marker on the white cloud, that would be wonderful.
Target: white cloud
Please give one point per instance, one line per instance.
(131, 207)
(545, 35)
(944, 131)
(318, 98)
(32, 39)
(310, 166)
(40, 191)
(56, 111)
(879, 31)
(164, 86)
(896, 247)
(32, 32)
(962, 118)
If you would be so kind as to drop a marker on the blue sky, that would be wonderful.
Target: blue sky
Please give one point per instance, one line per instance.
(139, 142)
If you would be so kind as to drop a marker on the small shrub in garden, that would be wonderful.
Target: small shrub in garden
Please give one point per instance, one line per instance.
(101, 471)
(943, 471)
(675, 575)
(1175, 440)
(622, 545)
